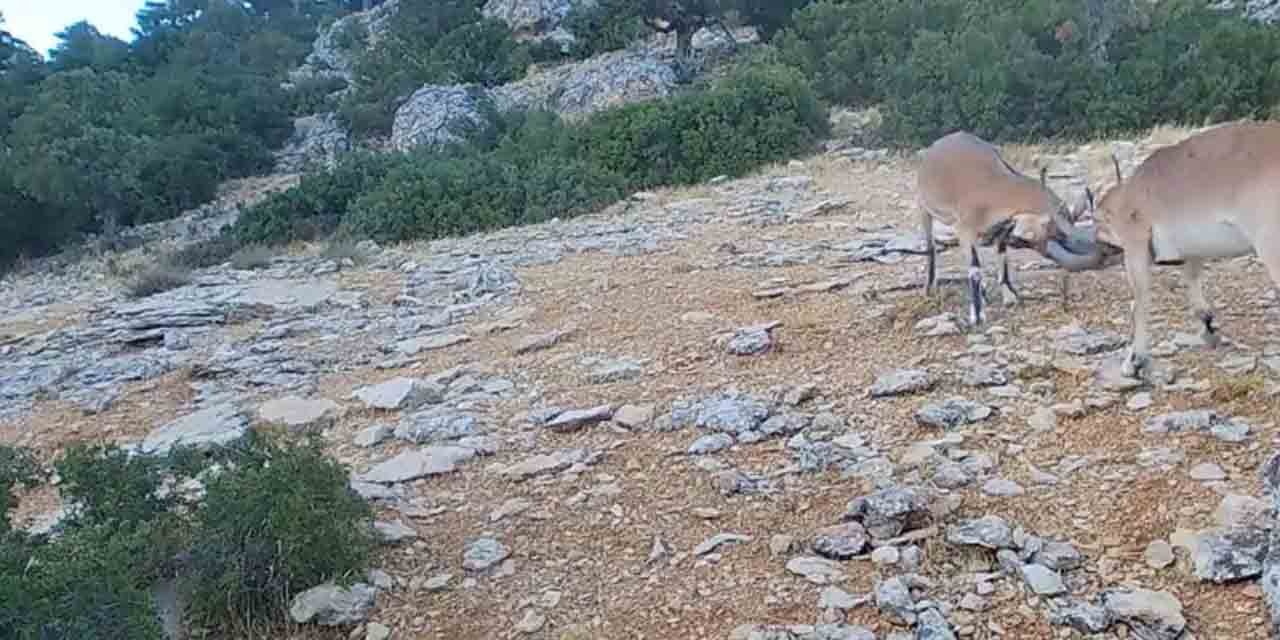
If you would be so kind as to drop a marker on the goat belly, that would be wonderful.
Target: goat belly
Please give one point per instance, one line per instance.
(1205, 240)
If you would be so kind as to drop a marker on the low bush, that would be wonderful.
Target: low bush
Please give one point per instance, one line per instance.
(210, 252)
(277, 518)
(252, 257)
(606, 25)
(157, 278)
(18, 468)
(755, 115)
(284, 520)
(315, 95)
(316, 205)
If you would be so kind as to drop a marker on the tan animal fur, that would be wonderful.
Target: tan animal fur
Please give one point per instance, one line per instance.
(964, 182)
(1213, 195)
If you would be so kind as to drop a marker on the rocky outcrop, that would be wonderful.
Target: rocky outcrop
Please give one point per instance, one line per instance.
(316, 139)
(609, 80)
(1266, 11)
(532, 16)
(332, 55)
(436, 115)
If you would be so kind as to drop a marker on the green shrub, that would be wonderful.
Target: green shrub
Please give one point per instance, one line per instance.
(606, 25)
(1009, 70)
(315, 95)
(110, 485)
(316, 205)
(81, 587)
(284, 520)
(203, 254)
(758, 114)
(18, 468)
(279, 517)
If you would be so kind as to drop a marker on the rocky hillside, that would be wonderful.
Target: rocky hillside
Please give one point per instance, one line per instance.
(720, 412)
(430, 114)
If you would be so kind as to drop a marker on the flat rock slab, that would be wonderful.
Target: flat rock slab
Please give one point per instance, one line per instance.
(579, 418)
(217, 425)
(298, 413)
(414, 346)
(817, 570)
(287, 294)
(901, 382)
(419, 463)
(400, 394)
(543, 464)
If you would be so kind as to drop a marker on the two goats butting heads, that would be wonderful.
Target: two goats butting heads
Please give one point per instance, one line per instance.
(964, 182)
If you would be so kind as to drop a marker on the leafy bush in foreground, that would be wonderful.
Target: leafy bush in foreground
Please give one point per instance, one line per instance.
(284, 520)
(277, 519)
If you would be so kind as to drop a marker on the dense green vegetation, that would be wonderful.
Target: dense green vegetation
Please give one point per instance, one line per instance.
(276, 517)
(531, 167)
(1011, 70)
(107, 133)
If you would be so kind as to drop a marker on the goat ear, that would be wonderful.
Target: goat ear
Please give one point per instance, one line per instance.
(1116, 161)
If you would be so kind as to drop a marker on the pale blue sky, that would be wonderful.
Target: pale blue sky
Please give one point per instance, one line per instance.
(37, 20)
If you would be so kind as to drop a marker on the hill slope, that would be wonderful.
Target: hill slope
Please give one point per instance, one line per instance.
(606, 527)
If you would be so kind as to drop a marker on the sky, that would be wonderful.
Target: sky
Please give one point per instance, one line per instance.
(35, 21)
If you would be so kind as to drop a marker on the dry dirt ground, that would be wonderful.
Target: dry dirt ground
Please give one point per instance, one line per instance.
(580, 548)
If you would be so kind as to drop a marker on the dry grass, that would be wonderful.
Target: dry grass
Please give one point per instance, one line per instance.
(252, 257)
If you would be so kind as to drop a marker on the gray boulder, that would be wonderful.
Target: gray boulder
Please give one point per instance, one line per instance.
(437, 115)
(332, 605)
(317, 140)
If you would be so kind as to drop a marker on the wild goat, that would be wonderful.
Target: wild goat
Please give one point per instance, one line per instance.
(964, 182)
(1214, 195)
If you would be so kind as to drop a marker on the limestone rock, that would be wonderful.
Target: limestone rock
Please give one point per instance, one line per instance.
(298, 413)
(332, 605)
(436, 115)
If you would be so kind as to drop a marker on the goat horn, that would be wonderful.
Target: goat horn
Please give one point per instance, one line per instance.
(1116, 161)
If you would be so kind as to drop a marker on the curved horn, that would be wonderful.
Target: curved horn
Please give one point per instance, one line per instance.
(1088, 195)
(1072, 261)
(1116, 161)
(1044, 174)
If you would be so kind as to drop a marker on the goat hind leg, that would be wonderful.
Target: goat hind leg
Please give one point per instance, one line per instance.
(931, 257)
(975, 283)
(1193, 271)
(1008, 294)
(1138, 360)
